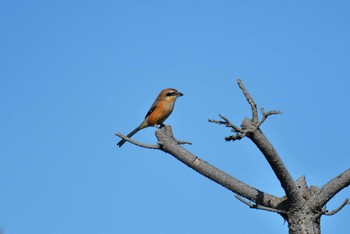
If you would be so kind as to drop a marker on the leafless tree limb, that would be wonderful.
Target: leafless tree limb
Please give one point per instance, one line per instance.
(333, 212)
(250, 101)
(169, 145)
(239, 132)
(277, 165)
(250, 128)
(181, 142)
(267, 114)
(227, 123)
(257, 206)
(238, 136)
(147, 146)
(330, 189)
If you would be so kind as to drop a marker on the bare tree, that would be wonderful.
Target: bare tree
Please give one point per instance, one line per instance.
(302, 206)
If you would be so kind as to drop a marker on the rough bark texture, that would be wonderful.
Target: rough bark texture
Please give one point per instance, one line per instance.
(302, 206)
(303, 222)
(169, 144)
(275, 162)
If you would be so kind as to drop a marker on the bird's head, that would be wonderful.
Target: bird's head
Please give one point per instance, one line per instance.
(170, 94)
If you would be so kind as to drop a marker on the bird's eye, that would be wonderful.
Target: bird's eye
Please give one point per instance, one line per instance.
(171, 94)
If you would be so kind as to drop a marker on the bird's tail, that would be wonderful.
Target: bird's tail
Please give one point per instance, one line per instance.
(120, 143)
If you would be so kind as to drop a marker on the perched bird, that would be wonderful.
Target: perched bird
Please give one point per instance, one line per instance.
(159, 111)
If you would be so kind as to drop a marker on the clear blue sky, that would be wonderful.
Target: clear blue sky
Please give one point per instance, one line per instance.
(74, 72)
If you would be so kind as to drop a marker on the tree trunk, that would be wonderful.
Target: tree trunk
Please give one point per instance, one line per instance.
(303, 222)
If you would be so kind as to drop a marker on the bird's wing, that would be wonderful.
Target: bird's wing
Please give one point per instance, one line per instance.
(153, 107)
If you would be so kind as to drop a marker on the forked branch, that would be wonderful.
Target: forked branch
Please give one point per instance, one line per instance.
(267, 114)
(333, 212)
(251, 129)
(239, 132)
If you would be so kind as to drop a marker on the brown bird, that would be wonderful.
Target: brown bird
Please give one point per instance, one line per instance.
(159, 111)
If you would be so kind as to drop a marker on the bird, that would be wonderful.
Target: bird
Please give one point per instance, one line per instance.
(160, 110)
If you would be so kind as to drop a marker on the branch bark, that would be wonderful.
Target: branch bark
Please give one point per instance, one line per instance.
(333, 212)
(276, 163)
(147, 146)
(271, 155)
(330, 189)
(259, 207)
(250, 100)
(169, 145)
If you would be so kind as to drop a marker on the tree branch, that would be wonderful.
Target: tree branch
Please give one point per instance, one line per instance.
(239, 132)
(250, 128)
(330, 189)
(333, 212)
(259, 207)
(267, 114)
(276, 163)
(250, 101)
(169, 145)
(227, 123)
(147, 146)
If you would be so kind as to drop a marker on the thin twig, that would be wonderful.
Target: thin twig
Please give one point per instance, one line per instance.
(257, 206)
(250, 101)
(238, 136)
(227, 123)
(239, 132)
(267, 114)
(181, 142)
(333, 212)
(217, 121)
(148, 146)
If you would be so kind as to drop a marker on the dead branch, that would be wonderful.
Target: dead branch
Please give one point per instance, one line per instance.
(277, 165)
(239, 132)
(147, 146)
(227, 123)
(330, 189)
(250, 128)
(259, 207)
(169, 145)
(250, 101)
(267, 114)
(333, 212)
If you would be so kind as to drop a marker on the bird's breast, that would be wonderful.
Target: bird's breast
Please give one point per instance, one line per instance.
(160, 113)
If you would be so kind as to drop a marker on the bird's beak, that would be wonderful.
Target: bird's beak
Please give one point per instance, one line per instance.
(179, 94)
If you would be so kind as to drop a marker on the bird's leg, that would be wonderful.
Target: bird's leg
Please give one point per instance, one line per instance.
(160, 125)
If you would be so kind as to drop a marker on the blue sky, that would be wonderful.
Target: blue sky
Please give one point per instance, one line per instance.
(75, 72)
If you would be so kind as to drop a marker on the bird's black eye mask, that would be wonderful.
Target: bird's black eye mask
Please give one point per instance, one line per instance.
(171, 94)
